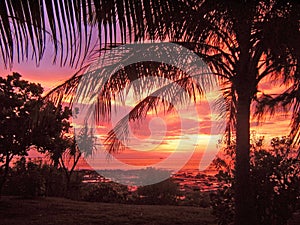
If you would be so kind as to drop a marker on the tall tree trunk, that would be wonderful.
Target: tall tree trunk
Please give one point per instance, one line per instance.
(4, 177)
(244, 201)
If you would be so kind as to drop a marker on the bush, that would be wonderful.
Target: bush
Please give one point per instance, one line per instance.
(25, 179)
(104, 192)
(32, 179)
(163, 193)
(277, 185)
(275, 178)
(196, 198)
(223, 205)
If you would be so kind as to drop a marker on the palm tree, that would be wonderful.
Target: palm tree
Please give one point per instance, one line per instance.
(243, 42)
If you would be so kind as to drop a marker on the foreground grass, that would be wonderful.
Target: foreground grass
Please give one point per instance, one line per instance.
(16, 211)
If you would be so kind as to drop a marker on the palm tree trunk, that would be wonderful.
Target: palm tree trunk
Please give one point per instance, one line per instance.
(244, 201)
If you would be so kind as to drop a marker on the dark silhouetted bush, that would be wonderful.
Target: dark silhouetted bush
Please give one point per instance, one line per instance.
(104, 192)
(163, 193)
(275, 179)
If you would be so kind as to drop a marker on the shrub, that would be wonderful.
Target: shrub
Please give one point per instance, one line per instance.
(165, 192)
(32, 179)
(104, 192)
(25, 179)
(275, 178)
(196, 198)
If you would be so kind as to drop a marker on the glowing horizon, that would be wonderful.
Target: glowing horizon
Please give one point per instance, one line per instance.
(49, 75)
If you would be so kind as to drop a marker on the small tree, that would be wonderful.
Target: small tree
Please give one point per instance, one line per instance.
(57, 140)
(19, 104)
(54, 139)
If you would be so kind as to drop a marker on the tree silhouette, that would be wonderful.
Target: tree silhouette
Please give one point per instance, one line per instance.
(56, 139)
(19, 104)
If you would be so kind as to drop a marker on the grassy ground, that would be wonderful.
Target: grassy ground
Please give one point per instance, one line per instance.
(16, 211)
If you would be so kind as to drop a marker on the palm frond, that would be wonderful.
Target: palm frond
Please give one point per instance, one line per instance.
(26, 25)
(64, 93)
(114, 75)
(178, 93)
(211, 33)
(287, 102)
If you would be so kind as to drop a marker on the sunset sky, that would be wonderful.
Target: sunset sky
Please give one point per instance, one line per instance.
(157, 138)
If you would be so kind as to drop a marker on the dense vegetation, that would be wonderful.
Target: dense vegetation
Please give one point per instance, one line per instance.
(275, 181)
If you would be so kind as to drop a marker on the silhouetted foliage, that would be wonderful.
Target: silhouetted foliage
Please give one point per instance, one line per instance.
(26, 179)
(105, 192)
(196, 198)
(19, 105)
(275, 181)
(57, 140)
(33, 178)
(165, 192)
